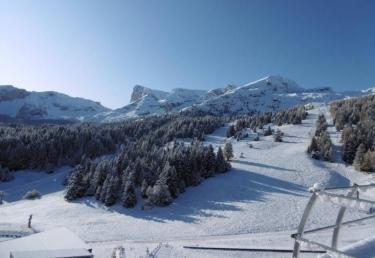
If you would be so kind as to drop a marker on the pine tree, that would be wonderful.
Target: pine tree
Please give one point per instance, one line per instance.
(313, 147)
(168, 176)
(321, 125)
(230, 131)
(144, 188)
(112, 190)
(104, 188)
(278, 136)
(367, 161)
(129, 196)
(268, 131)
(228, 151)
(220, 161)
(76, 187)
(209, 162)
(359, 157)
(159, 194)
(349, 149)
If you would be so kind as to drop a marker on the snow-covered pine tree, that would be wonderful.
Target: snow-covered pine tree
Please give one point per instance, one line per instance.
(144, 187)
(313, 147)
(368, 162)
(209, 161)
(359, 157)
(76, 185)
(230, 131)
(112, 190)
(129, 198)
(268, 131)
(169, 177)
(159, 195)
(278, 136)
(221, 166)
(349, 149)
(228, 151)
(321, 125)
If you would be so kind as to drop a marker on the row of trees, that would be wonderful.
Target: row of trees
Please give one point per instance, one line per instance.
(356, 118)
(161, 173)
(321, 144)
(47, 146)
(258, 121)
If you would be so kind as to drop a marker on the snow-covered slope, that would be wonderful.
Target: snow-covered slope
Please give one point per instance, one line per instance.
(20, 104)
(267, 94)
(259, 203)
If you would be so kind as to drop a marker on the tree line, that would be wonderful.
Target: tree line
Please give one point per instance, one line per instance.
(48, 146)
(258, 121)
(355, 117)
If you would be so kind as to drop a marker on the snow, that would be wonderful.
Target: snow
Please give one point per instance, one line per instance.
(258, 203)
(48, 105)
(266, 94)
(364, 248)
(27, 180)
(71, 253)
(316, 187)
(52, 240)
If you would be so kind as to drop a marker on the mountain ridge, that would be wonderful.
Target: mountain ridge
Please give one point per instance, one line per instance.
(270, 93)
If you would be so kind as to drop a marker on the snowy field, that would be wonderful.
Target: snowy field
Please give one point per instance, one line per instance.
(257, 204)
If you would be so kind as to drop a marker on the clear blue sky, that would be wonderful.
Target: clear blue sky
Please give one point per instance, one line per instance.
(101, 49)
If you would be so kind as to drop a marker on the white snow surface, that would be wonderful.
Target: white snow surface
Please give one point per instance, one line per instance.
(258, 203)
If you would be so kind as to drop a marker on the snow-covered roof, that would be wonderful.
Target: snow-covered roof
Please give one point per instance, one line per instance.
(56, 239)
(71, 253)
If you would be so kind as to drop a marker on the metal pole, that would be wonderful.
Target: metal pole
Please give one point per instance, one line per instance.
(301, 227)
(339, 219)
(1, 197)
(29, 223)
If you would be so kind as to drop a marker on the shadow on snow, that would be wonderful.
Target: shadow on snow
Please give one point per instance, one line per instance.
(213, 198)
(261, 165)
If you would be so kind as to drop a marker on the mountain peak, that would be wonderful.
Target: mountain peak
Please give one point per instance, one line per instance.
(140, 91)
(276, 83)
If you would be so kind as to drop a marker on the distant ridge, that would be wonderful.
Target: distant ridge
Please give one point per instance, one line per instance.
(270, 93)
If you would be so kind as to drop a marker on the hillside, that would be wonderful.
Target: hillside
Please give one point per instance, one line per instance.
(258, 203)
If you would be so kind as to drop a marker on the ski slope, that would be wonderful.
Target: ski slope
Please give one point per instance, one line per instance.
(257, 204)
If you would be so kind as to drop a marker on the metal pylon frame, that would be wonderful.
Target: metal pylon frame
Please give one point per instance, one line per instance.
(299, 236)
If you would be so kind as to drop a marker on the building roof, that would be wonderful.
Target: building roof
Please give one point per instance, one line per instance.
(71, 253)
(56, 239)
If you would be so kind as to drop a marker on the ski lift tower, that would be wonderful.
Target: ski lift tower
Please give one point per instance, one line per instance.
(349, 200)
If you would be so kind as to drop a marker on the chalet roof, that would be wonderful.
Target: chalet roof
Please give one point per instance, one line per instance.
(71, 253)
(56, 239)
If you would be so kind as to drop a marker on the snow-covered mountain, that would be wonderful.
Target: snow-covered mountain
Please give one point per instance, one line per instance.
(145, 101)
(19, 104)
(267, 94)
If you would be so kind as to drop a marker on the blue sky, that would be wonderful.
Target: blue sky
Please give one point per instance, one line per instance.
(101, 49)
